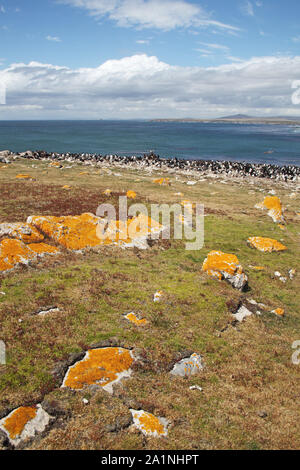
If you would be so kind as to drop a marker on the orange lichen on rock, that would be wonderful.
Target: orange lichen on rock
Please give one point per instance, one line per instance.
(149, 424)
(72, 232)
(274, 207)
(257, 268)
(21, 176)
(162, 181)
(131, 194)
(134, 319)
(17, 420)
(266, 245)
(25, 232)
(279, 312)
(66, 186)
(43, 248)
(56, 164)
(225, 266)
(87, 230)
(14, 252)
(99, 367)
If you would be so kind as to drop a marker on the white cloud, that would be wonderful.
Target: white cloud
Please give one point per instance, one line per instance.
(247, 8)
(141, 86)
(2, 9)
(53, 38)
(216, 47)
(142, 41)
(159, 14)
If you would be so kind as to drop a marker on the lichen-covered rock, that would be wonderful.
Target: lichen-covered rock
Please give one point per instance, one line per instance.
(88, 231)
(188, 366)
(225, 266)
(22, 231)
(133, 318)
(131, 194)
(148, 424)
(274, 207)
(103, 367)
(157, 296)
(24, 422)
(279, 312)
(24, 177)
(73, 232)
(162, 181)
(14, 252)
(266, 245)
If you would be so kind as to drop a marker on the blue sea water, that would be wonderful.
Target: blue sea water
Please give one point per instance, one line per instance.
(187, 140)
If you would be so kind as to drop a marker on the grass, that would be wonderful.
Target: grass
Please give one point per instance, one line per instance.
(248, 368)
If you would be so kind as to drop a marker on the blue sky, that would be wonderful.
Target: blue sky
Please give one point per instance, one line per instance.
(174, 38)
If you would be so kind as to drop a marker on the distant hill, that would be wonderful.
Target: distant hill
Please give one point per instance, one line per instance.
(237, 116)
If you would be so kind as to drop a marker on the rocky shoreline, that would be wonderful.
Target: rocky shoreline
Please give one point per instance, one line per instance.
(154, 162)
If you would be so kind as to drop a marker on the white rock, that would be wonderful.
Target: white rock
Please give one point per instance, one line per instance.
(242, 313)
(196, 387)
(36, 425)
(188, 366)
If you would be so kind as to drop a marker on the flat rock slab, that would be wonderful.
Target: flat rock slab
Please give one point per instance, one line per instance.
(266, 245)
(24, 422)
(135, 319)
(188, 366)
(104, 367)
(150, 425)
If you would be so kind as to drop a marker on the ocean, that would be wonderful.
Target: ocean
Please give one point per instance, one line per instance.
(187, 140)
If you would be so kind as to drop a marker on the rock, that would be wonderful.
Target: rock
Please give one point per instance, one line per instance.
(136, 320)
(266, 245)
(131, 194)
(24, 422)
(196, 387)
(292, 273)
(279, 312)
(5, 153)
(88, 231)
(46, 311)
(103, 367)
(242, 313)
(22, 231)
(221, 265)
(188, 366)
(148, 424)
(274, 207)
(157, 296)
(262, 414)
(15, 252)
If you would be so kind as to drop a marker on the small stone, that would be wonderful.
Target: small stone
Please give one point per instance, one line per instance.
(188, 366)
(292, 273)
(148, 424)
(85, 401)
(279, 312)
(262, 414)
(196, 387)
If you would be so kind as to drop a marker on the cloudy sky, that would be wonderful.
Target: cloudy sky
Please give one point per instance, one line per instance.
(127, 59)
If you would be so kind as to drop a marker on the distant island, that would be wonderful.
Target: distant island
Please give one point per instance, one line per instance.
(240, 119)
